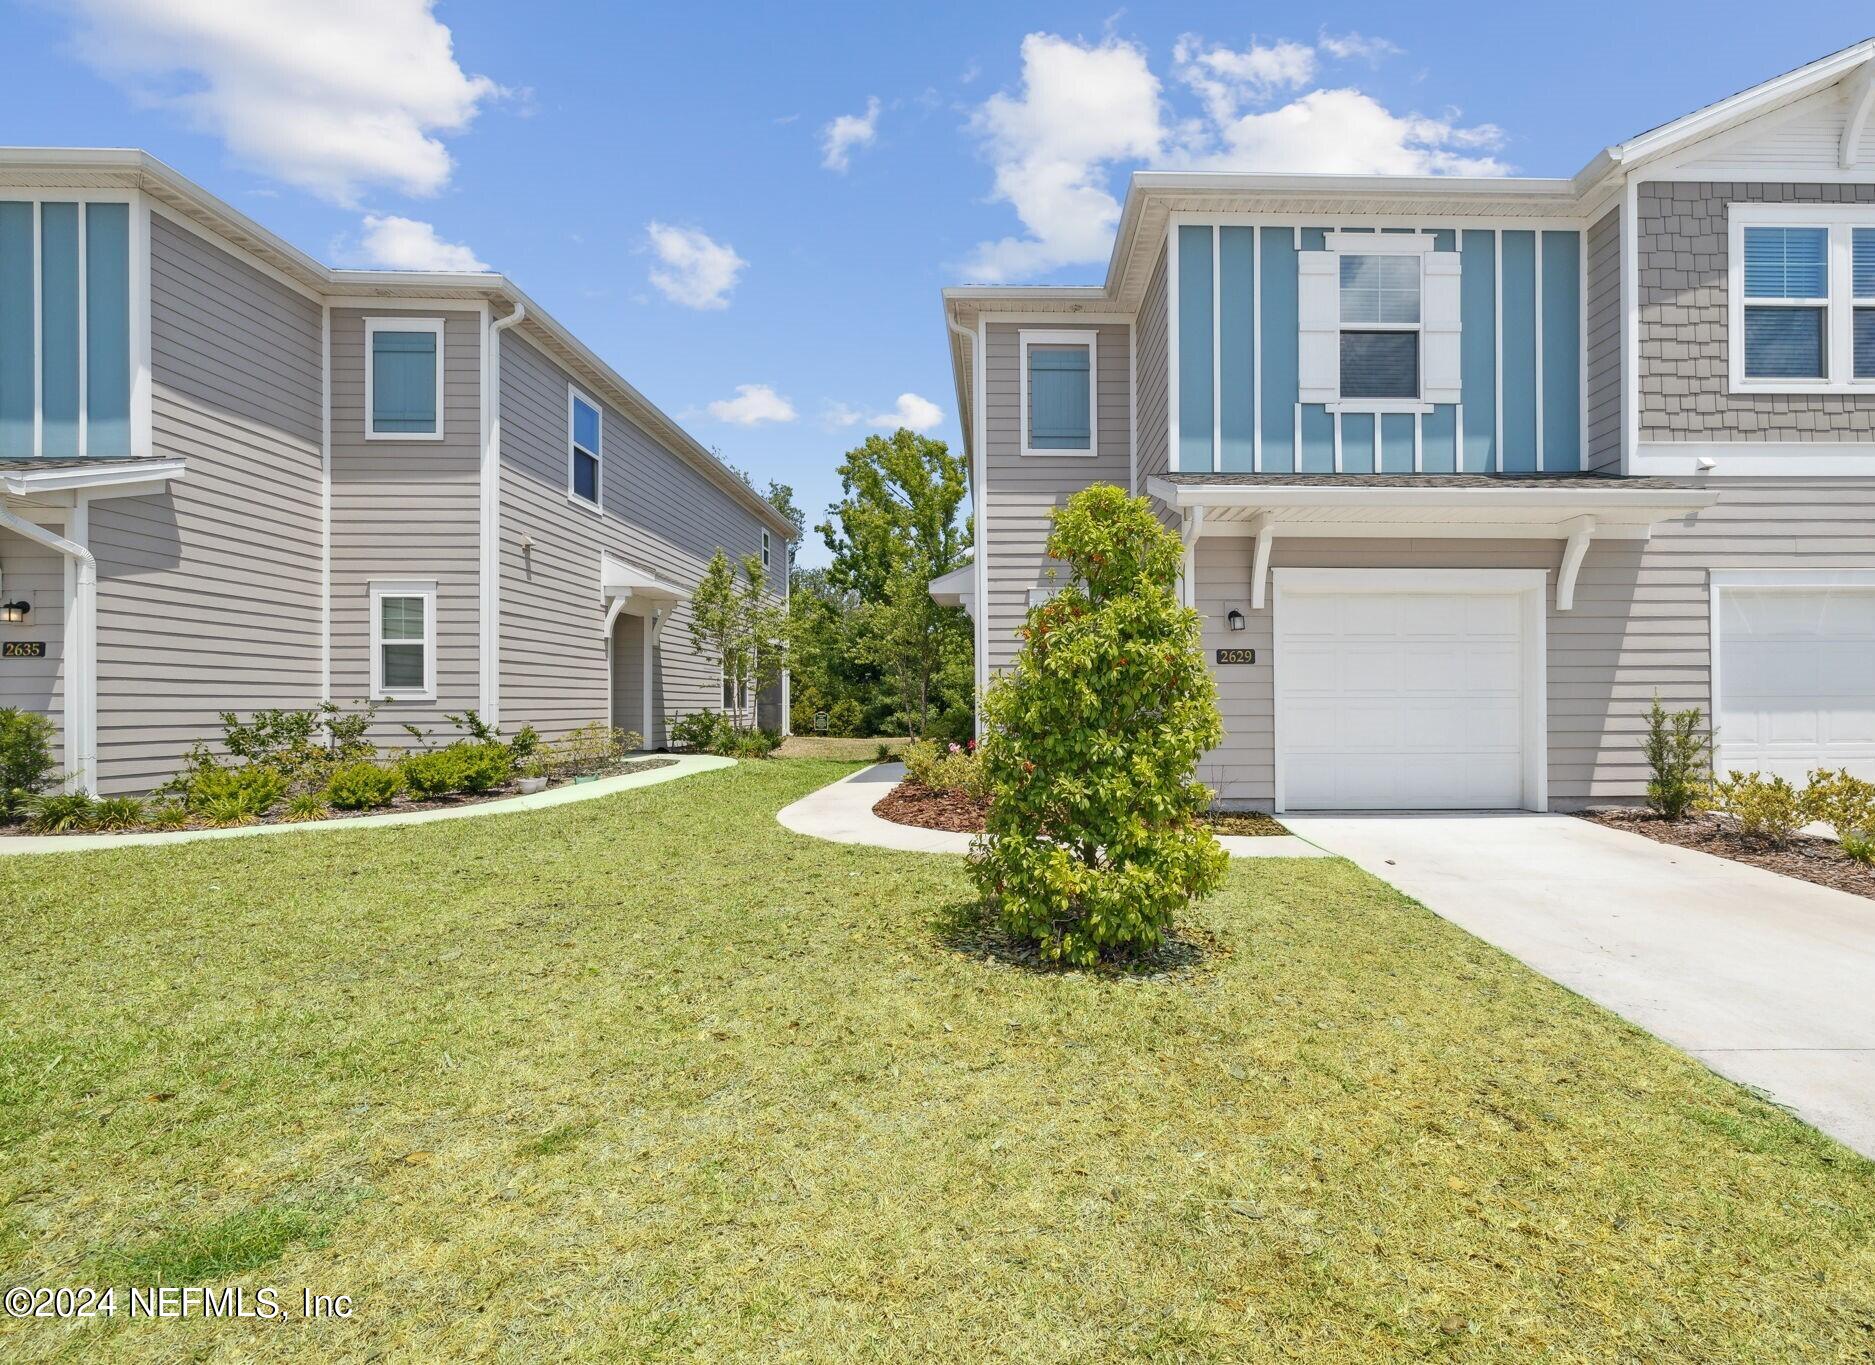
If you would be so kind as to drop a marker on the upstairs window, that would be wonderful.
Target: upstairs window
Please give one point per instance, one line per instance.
(1802, 305)
(765, 550)
(404, 379)
(1379, 326)
(585, 433)
(1058, 393)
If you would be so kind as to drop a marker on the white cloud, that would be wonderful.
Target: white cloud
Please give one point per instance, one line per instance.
(837, 415)
(839, 138)
(393, 243)
(694, 269)
(333, 97)
(753, 405)
(1085, 110)
(920, 414)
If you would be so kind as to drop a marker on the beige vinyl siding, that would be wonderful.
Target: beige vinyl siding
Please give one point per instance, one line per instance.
(1604, 343)
(1640, 625)
(1024, 489)
(662, 515)
(31, 573)
(628, 672)
(407, 511)
(209, 595)
(1154, 376)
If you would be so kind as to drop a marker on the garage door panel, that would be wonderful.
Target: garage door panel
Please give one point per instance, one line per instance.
(1796, 680)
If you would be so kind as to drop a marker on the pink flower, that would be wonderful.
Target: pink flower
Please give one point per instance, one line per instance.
(955, 749)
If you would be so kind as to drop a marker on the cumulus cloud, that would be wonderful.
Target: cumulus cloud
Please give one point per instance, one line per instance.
(1084, 110)
(849, 131)
(920, 414)
(335, 97)
(753, 405)
(394, 243)
(693, 269)
(838, 415)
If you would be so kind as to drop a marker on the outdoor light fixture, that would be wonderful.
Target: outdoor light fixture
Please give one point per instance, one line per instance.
(1236, 619)
(14, 612)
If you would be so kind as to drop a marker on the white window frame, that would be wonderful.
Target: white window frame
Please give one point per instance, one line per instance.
(597, 503)
(1838, 308)
(1378, 243)
(374, 325)
(1091, 340)
(381, 589)
(765, 550)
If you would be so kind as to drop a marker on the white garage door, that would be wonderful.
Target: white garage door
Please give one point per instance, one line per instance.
(1796, 680)
(1402, 700)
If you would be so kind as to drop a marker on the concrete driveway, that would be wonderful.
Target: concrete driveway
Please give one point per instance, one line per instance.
(1768, 980)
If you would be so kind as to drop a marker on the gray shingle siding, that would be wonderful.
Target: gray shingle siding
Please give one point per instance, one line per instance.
(1603, 340)
(1154, 378)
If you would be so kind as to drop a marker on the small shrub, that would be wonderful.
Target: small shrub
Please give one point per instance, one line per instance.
(119, 812)
(1765, 807)
(945, 767)
(526, 740)
(882, 753)
(1842, 801)
(483, 766)
(1860, 847)
(1679, 760)
(61, 813)
(25, 759)
(844, 718)
(168, 815)
(363, 785)
(754, 744)
(305, 806)
(255, 788)
(226, 811)
(589, 749)
(432, 774)
(702, 732)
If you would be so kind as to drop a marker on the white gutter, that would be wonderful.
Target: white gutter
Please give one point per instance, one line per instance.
(1341, 495)
(979, 498)
(490, 601)
(80, 650)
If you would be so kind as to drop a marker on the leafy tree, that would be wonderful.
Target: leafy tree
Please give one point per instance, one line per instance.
(922, 650)
(900, 501)
(781, 497)
(1095, 837)
(740, 623)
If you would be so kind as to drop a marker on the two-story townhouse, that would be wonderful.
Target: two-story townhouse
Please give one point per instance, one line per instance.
(1469, 470)
(232, 477)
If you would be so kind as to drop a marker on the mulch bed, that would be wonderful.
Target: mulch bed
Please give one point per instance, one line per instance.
(1805, 857)
(913, 803)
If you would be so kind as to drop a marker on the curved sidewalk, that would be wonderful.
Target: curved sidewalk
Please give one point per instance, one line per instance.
(565, 795)
(842, 812)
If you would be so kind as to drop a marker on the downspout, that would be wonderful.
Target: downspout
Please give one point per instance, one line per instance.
(980, 548)
(80, 650)
(491, 515)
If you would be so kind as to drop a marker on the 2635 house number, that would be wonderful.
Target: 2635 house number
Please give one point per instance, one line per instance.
(22, 649)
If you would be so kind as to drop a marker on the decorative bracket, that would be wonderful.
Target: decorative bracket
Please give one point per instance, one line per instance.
(1861, 101)
(1265, 531)
(1581, 532)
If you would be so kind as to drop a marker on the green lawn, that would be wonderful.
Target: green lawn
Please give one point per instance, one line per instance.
(651, 1077)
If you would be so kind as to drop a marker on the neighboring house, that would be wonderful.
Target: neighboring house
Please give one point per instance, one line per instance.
(233, 478)
(1478, 467)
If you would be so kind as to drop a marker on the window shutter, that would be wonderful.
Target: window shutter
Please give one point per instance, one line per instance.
(1318, 314)
(1440, 377)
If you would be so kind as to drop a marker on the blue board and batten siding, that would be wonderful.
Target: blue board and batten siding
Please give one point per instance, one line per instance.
(1520, 360)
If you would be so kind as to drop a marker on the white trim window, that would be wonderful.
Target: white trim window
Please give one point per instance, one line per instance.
(403, 379)
(765, 549)
(1059, 392)
(1801, 305)
(585, 448)
(1378, 314)
(403, 641)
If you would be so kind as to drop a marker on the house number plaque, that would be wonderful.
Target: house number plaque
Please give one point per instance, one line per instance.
(22, 649)
(1236, 656)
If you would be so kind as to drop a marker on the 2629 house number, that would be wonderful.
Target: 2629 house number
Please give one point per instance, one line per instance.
(1236, 656)
(22, 649)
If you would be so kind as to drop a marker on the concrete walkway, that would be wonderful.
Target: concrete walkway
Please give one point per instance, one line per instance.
(842, 812)
(1768, 980)
(564, 795)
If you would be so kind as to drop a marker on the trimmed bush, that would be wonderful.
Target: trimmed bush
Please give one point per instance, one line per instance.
(1765, 807)
(61, 813)
(702, 732)
(305, 806)
(589, 749)
(25, 759)
(256, 789)
(1843, 802)
(1679, 760)
(1860, 847)
(1096, 837)
(362, 785)
(430, 775)
(169, 815)
(119, 812)
(945, 767)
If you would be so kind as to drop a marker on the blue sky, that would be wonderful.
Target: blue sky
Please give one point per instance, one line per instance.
(750, 209)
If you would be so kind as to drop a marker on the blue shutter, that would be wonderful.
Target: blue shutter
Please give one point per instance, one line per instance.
(1862, 274)
(107, 329)
(1058, 398)
(18, 360)
(1786, 263)
(1784, 343)
(403, 382)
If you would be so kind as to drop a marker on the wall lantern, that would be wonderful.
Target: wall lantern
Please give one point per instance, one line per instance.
(1236, 619)
(14, 612)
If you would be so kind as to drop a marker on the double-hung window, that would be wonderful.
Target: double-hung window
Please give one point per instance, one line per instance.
(1379, 326)
(765, 549)
(403, 641)
(1058, 392)
(585, 437)
(404, 379)
(1802, 298)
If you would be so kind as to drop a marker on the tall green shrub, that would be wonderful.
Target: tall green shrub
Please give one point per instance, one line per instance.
(1679, 759)
(1095, 838)
(25, 759)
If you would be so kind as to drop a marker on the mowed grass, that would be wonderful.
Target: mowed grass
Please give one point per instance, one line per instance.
(649, 1077)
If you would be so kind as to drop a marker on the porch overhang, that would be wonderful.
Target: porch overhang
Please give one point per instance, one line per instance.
(54, 482)
(624, 586)
(956, 589)
(1575, 509)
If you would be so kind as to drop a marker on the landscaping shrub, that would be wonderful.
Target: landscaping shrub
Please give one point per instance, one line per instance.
(945, 767)
(60, 813)
(844, 718)
(1765, 807)
(168, 815)
(255, 789)
(432, 774)
(703, 732)
(1679, 760)
(589, 749)
(25, 759)
(362, 785)
(118, 812)
(302, 747)
(223, 811)
(482, 766)
(1844, 802)
(305, 806)
(753, 744)
(1860, 847)
(1095, 837)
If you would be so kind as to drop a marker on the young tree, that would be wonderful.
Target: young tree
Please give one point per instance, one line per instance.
(741, 624)
(1096, 837)
(916, 644)
(900, 501)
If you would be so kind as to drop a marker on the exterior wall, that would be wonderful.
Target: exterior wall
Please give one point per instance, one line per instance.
(661, 514)
(35, 574)
(1023, 490)
(628, 677)
(1641, 623)
(209, 596)
(407, 511)
(1603, 450)
(1154, 376)
(1684, 324)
